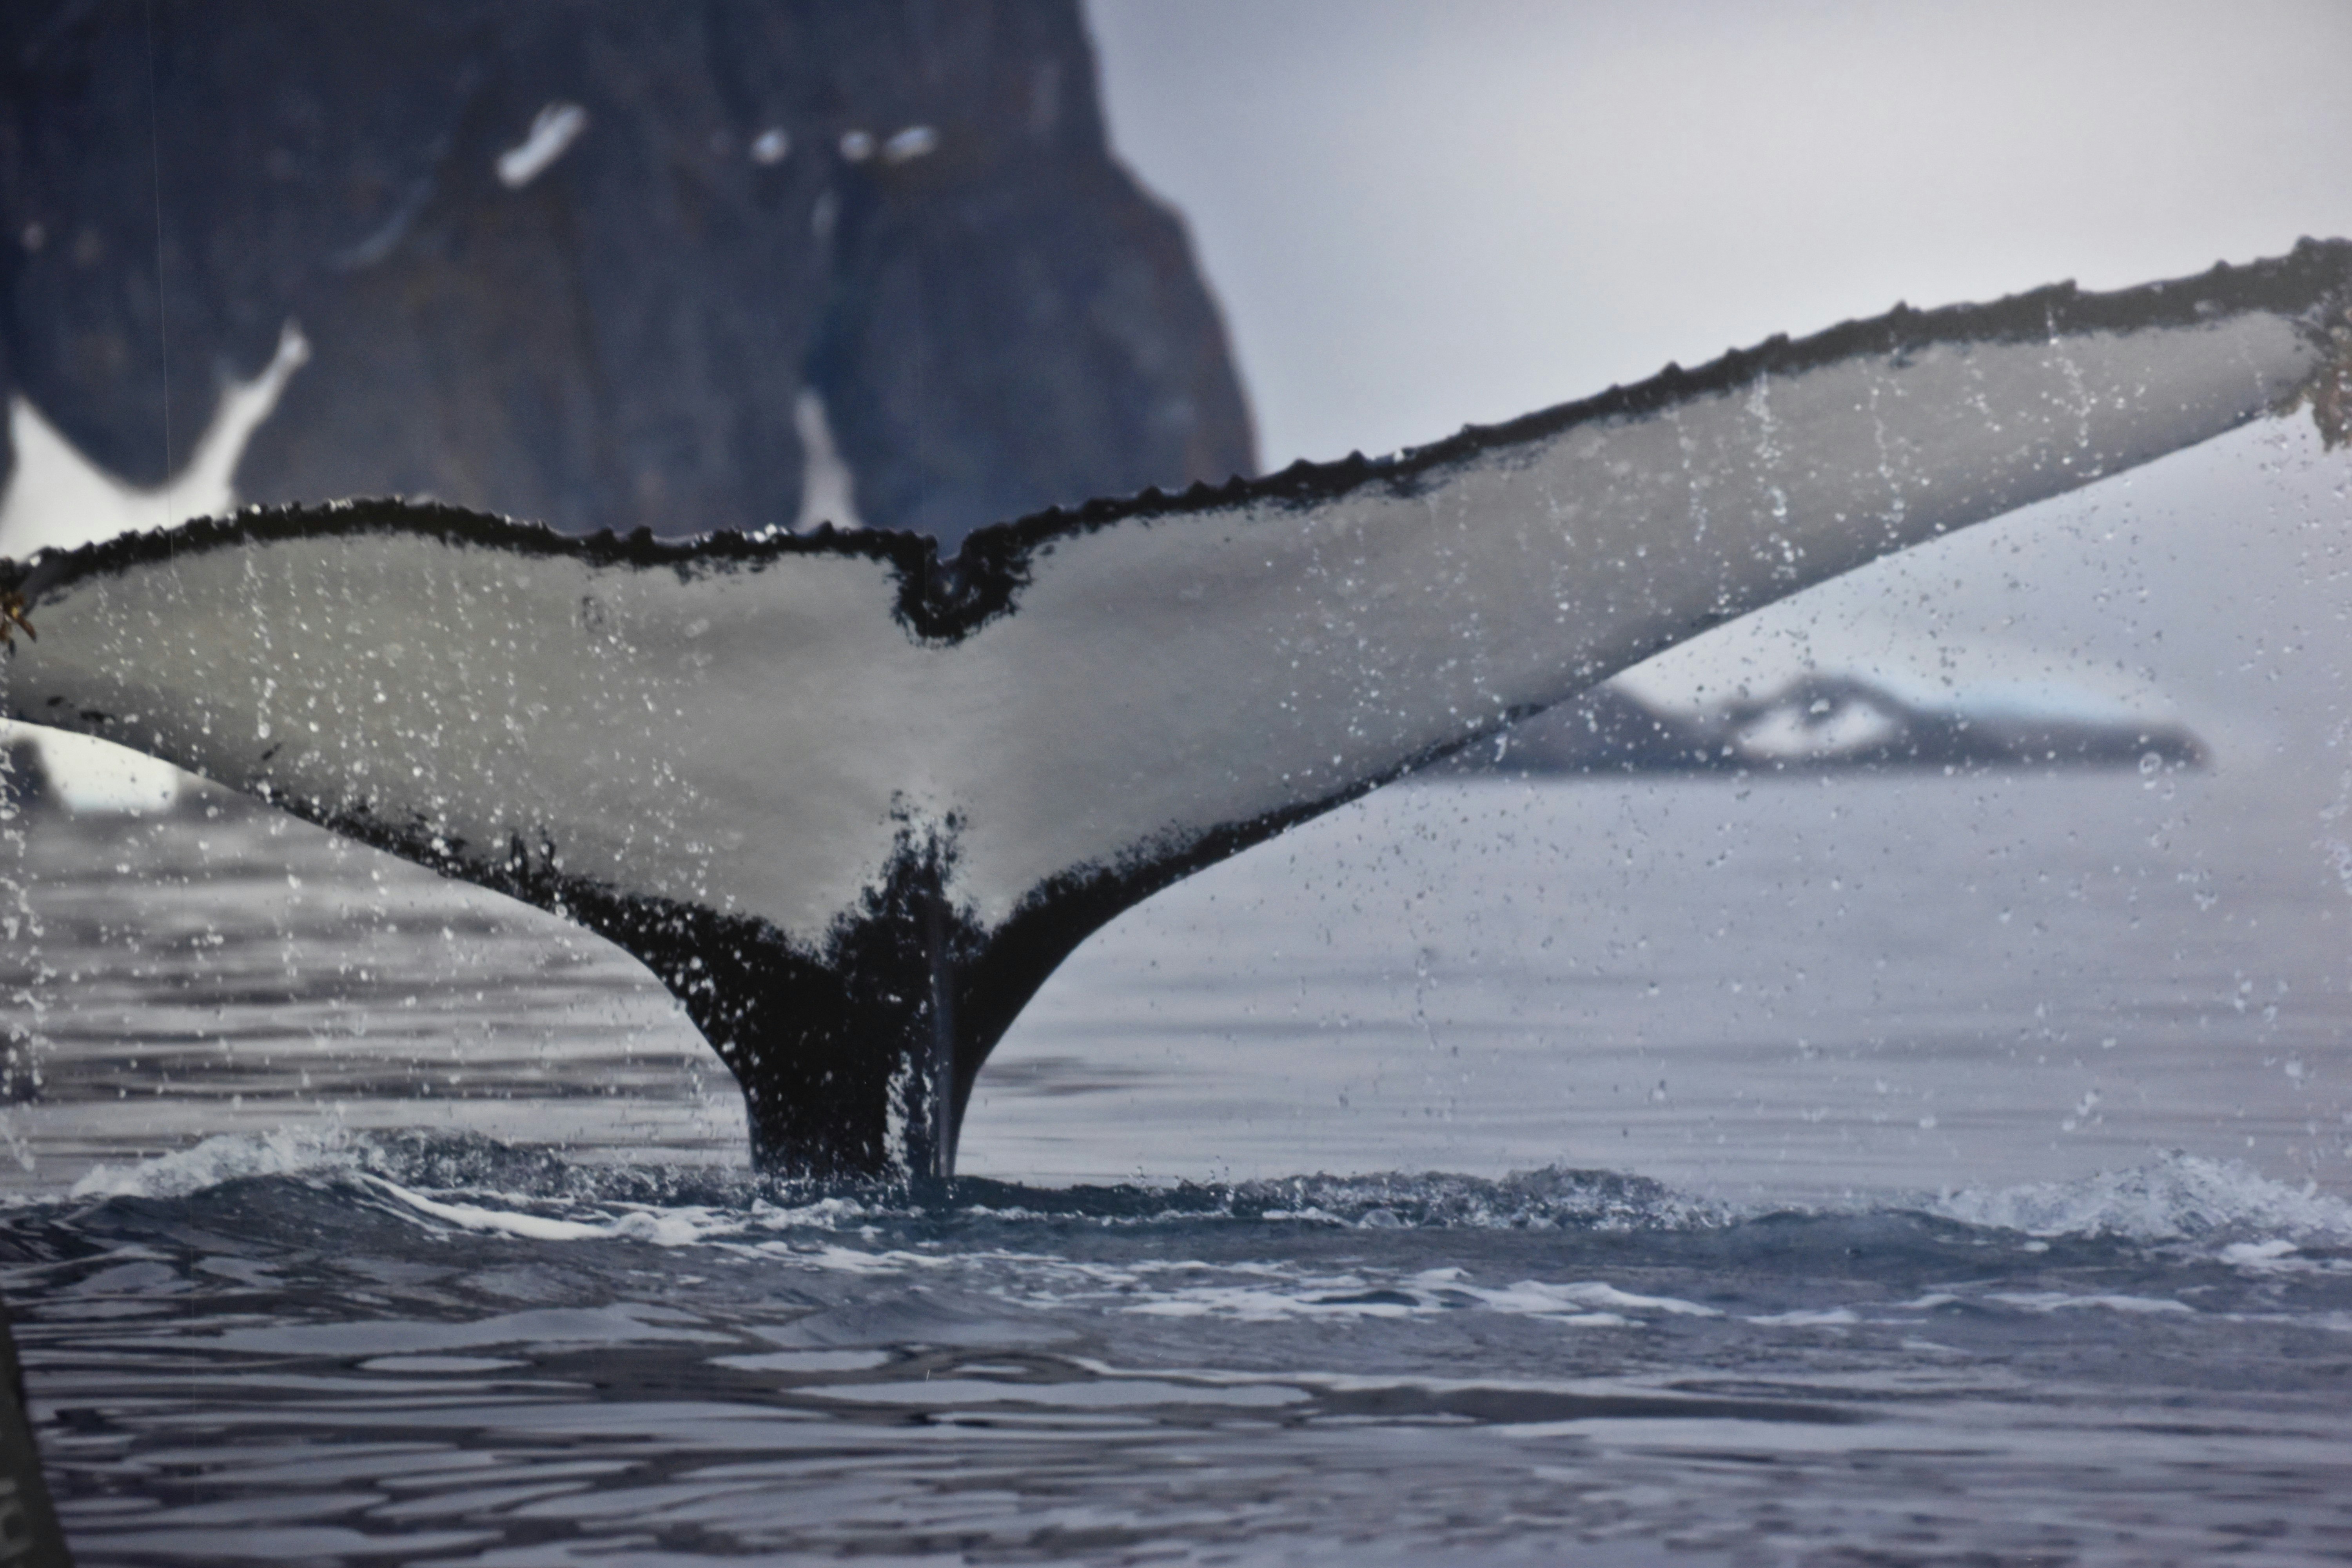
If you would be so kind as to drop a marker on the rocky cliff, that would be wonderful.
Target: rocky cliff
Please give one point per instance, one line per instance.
(604, 264)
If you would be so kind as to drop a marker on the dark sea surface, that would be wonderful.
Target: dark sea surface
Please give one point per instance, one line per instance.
(1823, 1170)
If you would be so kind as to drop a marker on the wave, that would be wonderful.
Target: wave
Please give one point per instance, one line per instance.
(227, 1157)
(2177, 1197)
(431, 1168)
(1593, 1251)
(472, 1182)
(1553, 1198)
(429, 1161)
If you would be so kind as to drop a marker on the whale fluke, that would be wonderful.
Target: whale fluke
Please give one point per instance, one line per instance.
(854, 803)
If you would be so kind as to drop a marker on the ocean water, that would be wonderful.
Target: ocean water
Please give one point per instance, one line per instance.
(1811, 1170)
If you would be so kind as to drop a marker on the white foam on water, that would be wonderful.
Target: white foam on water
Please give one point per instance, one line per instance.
(2278, 1255)
(1807, 1317)
(835, 1259)
(1273, 1292)
(2112, 1302)
(2180, 1197)
(226, 1157)
(662, 1226)
(312, 1150)
(1534, 1298)
(2242, 1219)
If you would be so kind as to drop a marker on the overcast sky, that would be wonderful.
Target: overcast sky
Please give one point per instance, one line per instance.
(1418, 215)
